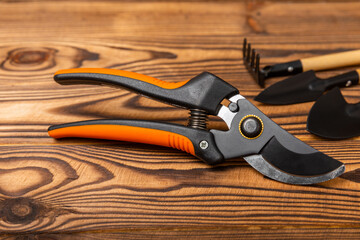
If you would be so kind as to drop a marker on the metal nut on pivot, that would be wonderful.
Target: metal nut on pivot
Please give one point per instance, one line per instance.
(348, 83)
(251, 127)
(290, 69)
(204, 144)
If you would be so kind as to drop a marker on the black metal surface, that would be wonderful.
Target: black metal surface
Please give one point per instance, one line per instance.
(298, 164)
(232, 144)
(282, 161)
(291, 90)
(332, 117)
(304, 87)
(252, 62)
(229, 141)
(259, 163)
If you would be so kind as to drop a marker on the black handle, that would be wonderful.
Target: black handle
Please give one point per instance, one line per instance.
(343, 80)
(205, 91)
(283, 69)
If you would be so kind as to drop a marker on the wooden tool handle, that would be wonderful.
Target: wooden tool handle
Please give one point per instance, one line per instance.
(331, 61)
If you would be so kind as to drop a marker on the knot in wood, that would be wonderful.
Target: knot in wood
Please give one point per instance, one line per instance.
(19, 210)
(32, 57)
(29, 59)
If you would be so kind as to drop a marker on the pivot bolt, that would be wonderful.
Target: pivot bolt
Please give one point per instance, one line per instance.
(233, 107)
(204, 144)
(251, 127)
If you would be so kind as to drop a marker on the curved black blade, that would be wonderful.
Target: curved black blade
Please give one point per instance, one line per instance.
(281, 164)
(292, 90)
(332, 117)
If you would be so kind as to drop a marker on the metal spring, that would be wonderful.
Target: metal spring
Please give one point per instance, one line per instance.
(197, 119)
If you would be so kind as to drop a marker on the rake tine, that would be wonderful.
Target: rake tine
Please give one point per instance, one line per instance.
(244, 48)
(257, 64)
(248, 53)
(253, 59)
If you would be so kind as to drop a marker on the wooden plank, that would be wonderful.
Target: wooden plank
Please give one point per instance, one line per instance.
(105, 189)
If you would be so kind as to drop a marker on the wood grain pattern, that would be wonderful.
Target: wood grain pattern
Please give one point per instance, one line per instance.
(92, 189)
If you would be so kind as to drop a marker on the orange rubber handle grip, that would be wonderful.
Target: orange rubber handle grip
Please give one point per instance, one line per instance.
(156, 133)
(127, 133)
(205, 91)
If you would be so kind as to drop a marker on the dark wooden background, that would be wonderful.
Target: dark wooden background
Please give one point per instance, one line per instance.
(92, 189)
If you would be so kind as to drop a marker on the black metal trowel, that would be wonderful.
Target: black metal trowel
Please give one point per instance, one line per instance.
(332, 117)
(305, 87)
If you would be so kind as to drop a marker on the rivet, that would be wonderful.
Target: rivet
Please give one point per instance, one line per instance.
(204, 144)
(233, 107)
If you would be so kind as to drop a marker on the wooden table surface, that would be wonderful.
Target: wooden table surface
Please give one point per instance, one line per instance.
(105, 189)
